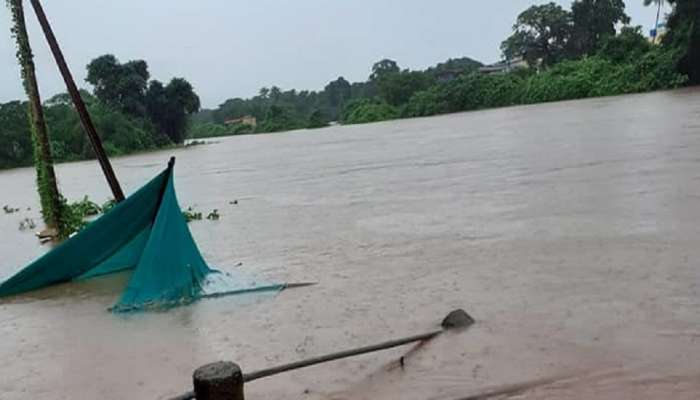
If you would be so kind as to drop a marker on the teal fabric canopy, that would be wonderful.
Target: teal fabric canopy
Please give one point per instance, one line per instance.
(147, 233)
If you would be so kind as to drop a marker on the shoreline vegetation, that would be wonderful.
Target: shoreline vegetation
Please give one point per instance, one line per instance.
(553, 54)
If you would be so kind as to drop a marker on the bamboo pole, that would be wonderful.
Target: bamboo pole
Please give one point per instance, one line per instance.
(78, 102)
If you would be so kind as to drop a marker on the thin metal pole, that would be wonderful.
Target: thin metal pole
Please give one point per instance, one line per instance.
(78, 102)
(457, 319)
(336, 356)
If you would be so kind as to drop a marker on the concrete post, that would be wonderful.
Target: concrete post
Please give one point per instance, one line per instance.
(219, 381)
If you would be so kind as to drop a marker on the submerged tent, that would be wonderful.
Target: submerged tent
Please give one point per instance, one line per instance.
(147, 233)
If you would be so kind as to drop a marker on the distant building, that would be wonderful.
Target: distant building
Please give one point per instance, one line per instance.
(656, 35)
(244, 120)
(504, 66)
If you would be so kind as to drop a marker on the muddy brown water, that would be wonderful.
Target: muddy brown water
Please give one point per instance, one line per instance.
(570, 231)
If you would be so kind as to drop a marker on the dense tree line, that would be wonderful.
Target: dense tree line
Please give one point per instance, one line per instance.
(278, 110)
(572, 53)
(131, 113)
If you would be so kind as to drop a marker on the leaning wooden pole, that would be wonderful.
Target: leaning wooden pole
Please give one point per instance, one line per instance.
(78, 102)
(49, 195)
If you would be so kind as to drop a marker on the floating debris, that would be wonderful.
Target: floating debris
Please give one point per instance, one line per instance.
(86, 207)
(27, 224)
(196, 143)
(235, 202)
(191, 215)
(108, 205)
(9, 210)
(214, 215)
(47, 234)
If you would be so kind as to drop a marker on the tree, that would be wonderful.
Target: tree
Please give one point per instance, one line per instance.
(383, 68)
(51, 204)
(15, 135)
(275, 94)
(315, 120)
(338, 91)
(169, 107)
(455, 66)
(684, 35)
(593, 20)
(397, 88)
(629, 45)
(280, 118)
(540, 33)
(120, 85)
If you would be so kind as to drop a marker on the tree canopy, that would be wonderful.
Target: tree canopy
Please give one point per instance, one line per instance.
(684, 35)
(127, 88)
(541, 33)
(594, 20)
(382, 68)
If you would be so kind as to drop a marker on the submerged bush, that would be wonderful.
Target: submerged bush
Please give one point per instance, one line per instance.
(368, 110)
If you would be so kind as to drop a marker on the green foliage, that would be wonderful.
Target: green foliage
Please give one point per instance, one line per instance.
(597, 76)
(126, 88)
(337, 92)
(275, 110)
(684, 36)
(278, 110)
(16, 148)
(316, 120)
(540, 33)
(191, 215)
(627, 46)
(108, 205)
(593, 21)
(121, 133)
(652, 69)
(168, 107)
(382, 68)
(280, 118)
(454, 66)
(208, 129)
(122, 86)
(77, 213)
(396, 88)
(368, 110)
(86, 207)
(468, 92)
(214, 215)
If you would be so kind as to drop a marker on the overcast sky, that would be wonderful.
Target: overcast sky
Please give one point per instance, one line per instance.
(231, 48)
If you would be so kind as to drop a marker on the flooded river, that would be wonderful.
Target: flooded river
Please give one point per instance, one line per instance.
(570, 231)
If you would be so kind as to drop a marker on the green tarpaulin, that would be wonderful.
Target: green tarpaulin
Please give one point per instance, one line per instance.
(147, 233)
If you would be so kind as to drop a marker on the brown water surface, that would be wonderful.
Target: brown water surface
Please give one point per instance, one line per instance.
(570, 231)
